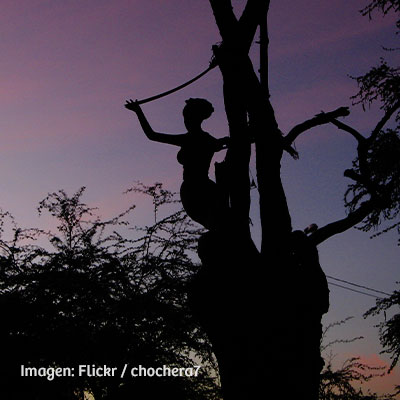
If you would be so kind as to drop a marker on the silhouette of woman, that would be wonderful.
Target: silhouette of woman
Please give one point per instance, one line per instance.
(202, 199)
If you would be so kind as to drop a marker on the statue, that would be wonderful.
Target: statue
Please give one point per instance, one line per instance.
(202, 199)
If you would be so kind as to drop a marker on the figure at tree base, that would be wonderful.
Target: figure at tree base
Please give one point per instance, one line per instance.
(312, 294)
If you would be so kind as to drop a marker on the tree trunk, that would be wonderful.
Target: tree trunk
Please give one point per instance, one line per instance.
(247, 300)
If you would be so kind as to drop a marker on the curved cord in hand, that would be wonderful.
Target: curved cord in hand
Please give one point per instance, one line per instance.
(158, 96)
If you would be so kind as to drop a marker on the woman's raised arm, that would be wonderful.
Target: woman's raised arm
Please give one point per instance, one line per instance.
(176, 140)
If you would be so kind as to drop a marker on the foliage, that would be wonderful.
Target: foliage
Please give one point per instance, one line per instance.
(382, 169)
(346, 381)
(95, 298)
(384, 6)
(389, 330)
(380, 83)
(343, 383)
(376, 169)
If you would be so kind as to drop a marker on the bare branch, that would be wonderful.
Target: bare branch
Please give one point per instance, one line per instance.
(342, 225)
(383, 121)
(344, 127)
(319, 119)
(250, 19)
(225, 18)
(242, 31)
(349, 173)
(363, 180)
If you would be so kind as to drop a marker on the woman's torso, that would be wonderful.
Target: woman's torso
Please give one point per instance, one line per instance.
(196, 154)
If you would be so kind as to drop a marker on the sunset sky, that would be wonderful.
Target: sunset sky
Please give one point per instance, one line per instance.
(68, 66)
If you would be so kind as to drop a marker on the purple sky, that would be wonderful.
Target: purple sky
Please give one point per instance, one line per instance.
(68, 66)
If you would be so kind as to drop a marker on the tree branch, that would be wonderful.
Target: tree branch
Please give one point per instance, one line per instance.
(363, 180)
(357, 135)
(225, 19)
(383, 121)
(349, 173)
(319, 119)
(249, 111)
(344, 224)
(241, 31)
(250, 19)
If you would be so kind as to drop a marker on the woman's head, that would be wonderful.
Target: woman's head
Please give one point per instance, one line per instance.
(197, 110)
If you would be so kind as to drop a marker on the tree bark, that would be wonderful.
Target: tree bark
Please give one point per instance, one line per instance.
(247, 324)
(251, 303)
(251, 118)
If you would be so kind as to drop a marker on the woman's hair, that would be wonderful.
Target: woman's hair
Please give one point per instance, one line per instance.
(201, 107)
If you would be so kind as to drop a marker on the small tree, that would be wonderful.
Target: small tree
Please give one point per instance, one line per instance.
(382, 83)
(389, 329)
(346, 381)
(376, 170)
(96, 298)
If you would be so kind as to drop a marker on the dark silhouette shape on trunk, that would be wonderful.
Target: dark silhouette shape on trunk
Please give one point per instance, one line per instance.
(201, 197)
(312, 295)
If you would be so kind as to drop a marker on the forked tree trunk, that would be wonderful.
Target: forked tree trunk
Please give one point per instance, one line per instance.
(245, 299)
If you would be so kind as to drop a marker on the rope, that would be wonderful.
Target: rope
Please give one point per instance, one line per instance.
(212, 65)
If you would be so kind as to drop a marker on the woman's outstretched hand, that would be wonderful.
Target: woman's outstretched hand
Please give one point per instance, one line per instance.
(132, 105)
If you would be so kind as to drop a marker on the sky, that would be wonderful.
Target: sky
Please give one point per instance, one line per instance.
(67, 68)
